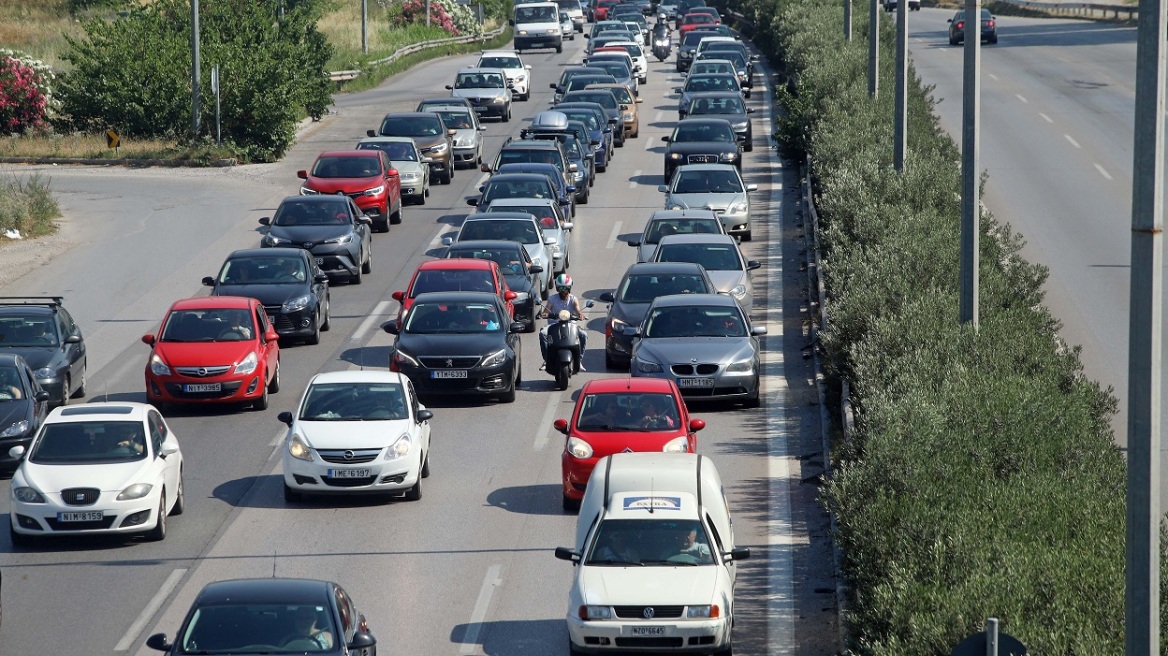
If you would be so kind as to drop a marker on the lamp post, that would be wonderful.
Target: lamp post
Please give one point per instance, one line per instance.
(196, 78)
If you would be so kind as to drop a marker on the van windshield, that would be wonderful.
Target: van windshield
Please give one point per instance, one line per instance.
(654, 542)
(543, 14)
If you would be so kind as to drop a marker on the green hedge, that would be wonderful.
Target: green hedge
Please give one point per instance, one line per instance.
(983, 479)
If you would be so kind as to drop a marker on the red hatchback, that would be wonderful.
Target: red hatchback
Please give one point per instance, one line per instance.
(691, 21)
(214, 349)
(456, 275)
(366, 176)
(614, 415)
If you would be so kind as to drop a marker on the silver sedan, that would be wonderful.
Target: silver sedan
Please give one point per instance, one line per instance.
(721, 258)
(716, 187)
(704, 343)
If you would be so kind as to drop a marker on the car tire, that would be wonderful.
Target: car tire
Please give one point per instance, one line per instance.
(559, 48)
(79, 393)
(952, 41)
(415, 492)
(506, 115)
(18, 539)
(180, 499)
(426, 465)
(292, 496)
(530, 328)
(314, 338)
(728, 650)
(601, 168)
(509, 395)
(158, 533)
(448, 176)
(395, 218)
(274, 384)
(367, 266)
(327, 322)
(261, 403)
(748, 147)
(747, 236)
(571, 505)
(992, 41)
(754, 400)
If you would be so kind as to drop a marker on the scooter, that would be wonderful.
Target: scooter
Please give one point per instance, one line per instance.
(563, 348)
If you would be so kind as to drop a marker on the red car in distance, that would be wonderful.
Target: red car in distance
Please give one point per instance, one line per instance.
(603, 7)
(613, 415)
(366, 176)
(213, 349)
(691, 21)
(457, 275)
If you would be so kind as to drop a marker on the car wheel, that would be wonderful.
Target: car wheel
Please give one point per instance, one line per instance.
(415, 492)
(274, 384)
(180, 498)
(601, 168)
(952, 41)
(395, 218)
(158, 533)
(728, 650)
(993, 40)
(509, 395)
(327, 322)
(534, 319)
(356, 277)
(754, 400)
(571, 505)
(506, 115)
(80, 391)
(368, 265)
(66, 390)
(426, 465)
(448, 176)
(261, 403)
(291, 496)
(559, 48)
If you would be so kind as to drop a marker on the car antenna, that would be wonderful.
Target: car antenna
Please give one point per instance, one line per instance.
(273, 563)
(652, 497)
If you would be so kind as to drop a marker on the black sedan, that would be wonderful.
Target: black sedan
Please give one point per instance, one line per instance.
(23, 406)
(331, 226)
(515, 264)
(271, 616)
(705, 140)
(287, 281)
(458, 343)
(989, 27)
(42, 331)
(729, 106)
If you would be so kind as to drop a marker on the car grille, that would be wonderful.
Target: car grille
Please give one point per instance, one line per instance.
(691, 369)
(449, 362)
(281, 322)
(349, 456)
(80, 496)
(651, 643)
(347, 482)
(702, 159)
(56, 525)
(202, 372)
(638, 612)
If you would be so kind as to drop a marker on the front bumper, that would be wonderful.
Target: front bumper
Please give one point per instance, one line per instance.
(539, 41)
(718, 385)
(679, 635)
(378, 476)
(414, 189)
(134, 516)
(55, 386)
(479, 380)
(466, 154)
(336, 260)
(232, 388)
(8, 463)
(575, 473)
(299, 323)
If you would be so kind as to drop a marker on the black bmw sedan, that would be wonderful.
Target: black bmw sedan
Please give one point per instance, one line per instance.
(331, 226)
(458, 343)
(287, 281)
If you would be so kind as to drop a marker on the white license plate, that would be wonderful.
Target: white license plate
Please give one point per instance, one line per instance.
(319, 260)
(648, 630)
(453, 373)
(203, 387)
(271, 318)
(90, 516)
(695, 382)
(349, 473)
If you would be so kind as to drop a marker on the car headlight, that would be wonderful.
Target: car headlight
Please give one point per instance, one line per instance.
(404, 358)
(374, 191)
(648, 367)
(741, 367)
(306, 191)
(579, 448)
(702, 611)
(737, 208)
(27, 495)
(739, 292)
(523, 32)
(270, 240)
(45, 372)
(520, 78)
(628, 116)
(298, 448)
(439, 149)
(495, 100)
(298, 303)
(343, 239)
(674, 155)
(677, 445)
(158, 367)
(248, 364)
(18, 428)
(411, 177)
(495, 359)
(616, 324)
(551, 31)
(400, 448)
(728, 157)
(595, 612)
(135, 491)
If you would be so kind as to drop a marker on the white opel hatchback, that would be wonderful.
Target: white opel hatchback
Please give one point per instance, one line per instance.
(357, 432)
(98, 468)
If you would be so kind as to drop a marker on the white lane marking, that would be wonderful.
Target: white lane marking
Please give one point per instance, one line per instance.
(1073, 142)
(1046, 118)
(156, 602)
(648, 143)
(992, 75)
(633, 182)
(1102, 171)
(616, 228)
(1022, 98)
(378, 310)
(470, 639)
(279, 437)
(660, 115)
(545, 422)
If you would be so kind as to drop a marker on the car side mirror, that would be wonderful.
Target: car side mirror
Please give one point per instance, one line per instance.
(510, 295)
(364, 219)
(634, 242)
(749, 110)
(425, 415)
(676, 89)
(607, 297)
(302, 174)
(663, 188)
(535, 268)
(589, 304)
(371, 133)
(752, 187)
(740, 553)
(567, 225)
(208, 281)
(42, 396)
(521, 297)
(758, 330)
(361, 640)
(564, 553)
(696, 425)
(169, 448)
(398, 296)
(450, 86)
(516, 327)
(271, 336)
(391, 327)
(640, 100)
(159, 642)
(527, 66)
(485, 168)
(665, 139)
(16, 452)
(321, 277)
(482, 128)
(548, 241)
(265, 220)
(148, 339)
(472, 201)
(427, 160)
(447, 240)
(553, 85)
(751, 265)
(632, 331)
(393, 173)
(561, 425)
(285, 418)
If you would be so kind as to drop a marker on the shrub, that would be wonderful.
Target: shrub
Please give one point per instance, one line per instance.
(26, 98)
(456, 19)
(27, 205)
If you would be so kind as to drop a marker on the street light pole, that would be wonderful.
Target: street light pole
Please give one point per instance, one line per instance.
(900, 113)
(873, 48)
(196, 78)
(365, 26)
(970, 176)
(847, 20)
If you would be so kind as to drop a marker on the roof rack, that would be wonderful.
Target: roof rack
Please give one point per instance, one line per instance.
(51, 301)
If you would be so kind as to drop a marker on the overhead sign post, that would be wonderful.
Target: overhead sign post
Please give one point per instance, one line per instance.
(112, 140)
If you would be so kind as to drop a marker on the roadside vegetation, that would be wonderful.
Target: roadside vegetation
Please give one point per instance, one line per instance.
(982, 479)
(27, 206)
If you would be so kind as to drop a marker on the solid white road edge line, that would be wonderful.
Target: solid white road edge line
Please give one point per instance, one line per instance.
(378, 310)
(616, 228)
(156, 601)
(470, 639)
(545, 423)
(279, 437)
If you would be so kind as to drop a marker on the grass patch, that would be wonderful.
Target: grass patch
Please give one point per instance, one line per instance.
(93, 146)
(38, 28)
(371, 77)
(28, 205)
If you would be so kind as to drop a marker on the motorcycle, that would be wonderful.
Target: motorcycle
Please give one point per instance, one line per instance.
(563, 348)
(662, 47)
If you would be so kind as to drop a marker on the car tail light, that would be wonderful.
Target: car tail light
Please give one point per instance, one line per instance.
(989, 23)
(960, 25)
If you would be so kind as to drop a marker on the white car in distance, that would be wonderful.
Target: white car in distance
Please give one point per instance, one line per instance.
(357, 432)
(518, 73)
(97, 468)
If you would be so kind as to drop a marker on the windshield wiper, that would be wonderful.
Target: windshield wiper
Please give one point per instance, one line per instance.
(613, 561)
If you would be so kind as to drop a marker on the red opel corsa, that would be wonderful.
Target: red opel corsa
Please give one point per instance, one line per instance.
(214, 349)
(615, 415)
(456, 275)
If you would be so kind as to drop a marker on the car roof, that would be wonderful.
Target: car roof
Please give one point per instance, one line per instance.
(703, 238)
(402, 140)
(690, 213)
(647, 268)
(459, 264)
(686, 300)
(266, 253)
(500, 216)
(9, 359)
(517, 202)
(30, 304)
(425, 115)
(319, 198)
(213, 303)
(707, 167)
(119, 410)
(626, 384)
(273, 590)
(483, 69)
(530, 144)
(518, 177)
(374, 154)
(362, 376)
(448, 297)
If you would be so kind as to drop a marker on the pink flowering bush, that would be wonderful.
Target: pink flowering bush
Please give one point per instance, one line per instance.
(454, 18)
(26, 100)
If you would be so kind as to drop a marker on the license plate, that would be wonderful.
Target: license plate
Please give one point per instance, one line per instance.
(203, 387)
(271, 318)
(349, 473)
(453, 373)
(480, 109)
(319, 260)
(648, 630)
(695, 382)
(90, 516)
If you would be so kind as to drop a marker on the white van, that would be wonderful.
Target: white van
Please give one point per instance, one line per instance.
(655, 558)
(537, 25)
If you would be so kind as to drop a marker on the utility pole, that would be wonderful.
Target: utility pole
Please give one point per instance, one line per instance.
(1142, 563)
(970, 175)
(900, 113)
(427, 13)
(847, 20)
(365, 26)
(196, 78)
(874, 48)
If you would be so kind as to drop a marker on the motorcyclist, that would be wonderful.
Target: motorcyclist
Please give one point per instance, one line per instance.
(562, 300)
(661, 29)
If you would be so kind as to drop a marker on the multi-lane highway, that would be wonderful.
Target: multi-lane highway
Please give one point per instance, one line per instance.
(468, 569)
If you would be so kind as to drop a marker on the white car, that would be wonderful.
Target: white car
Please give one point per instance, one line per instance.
(98, 468)
(518, 73)
(551, 219)
(357, 432)
(637, 52)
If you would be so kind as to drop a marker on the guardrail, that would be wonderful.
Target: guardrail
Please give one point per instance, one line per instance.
(341, 76)
(1088, 9)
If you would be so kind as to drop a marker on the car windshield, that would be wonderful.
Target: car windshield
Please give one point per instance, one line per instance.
(263, 271)
(516, 189)
(527, 156)
(622, 94)
(509, 261)
(492, 61)
(89, 442)
(536, 14)
(456, 120)
(479, 80)
(215, 325)
(411, 126)
(603, 98)
(695, 321)
(354, 402)
(453, 280)
(703, 132)
(697, 19)
(717, 105)
(693, 38)
(628, 411)
(544, 213)
(237, 628)
(714, 257)
(520, 231)
(334, 212)
(347, 167)
(712, 82)
(643, 288)
(665, 227)
(650, 542)
(29, 331)
(397, 151)
(707, 181)
(448, 318)
(733, 56)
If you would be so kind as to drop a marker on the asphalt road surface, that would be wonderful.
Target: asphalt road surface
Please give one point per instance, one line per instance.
(469, 568)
